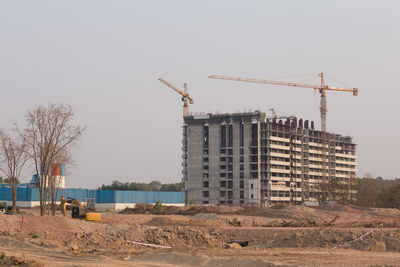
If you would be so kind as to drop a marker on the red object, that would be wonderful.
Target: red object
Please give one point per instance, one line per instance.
(56, 170)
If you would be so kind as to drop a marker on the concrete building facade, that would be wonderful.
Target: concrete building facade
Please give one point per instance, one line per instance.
(248, 159)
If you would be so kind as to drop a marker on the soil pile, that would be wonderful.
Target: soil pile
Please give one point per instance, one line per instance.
(208, 227)
(18, 261)
(299, 216)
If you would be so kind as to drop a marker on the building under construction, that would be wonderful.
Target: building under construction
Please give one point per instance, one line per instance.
(249, 158)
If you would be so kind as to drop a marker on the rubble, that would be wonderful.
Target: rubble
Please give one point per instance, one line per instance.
(245, 227)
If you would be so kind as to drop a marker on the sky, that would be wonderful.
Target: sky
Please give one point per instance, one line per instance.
(104, 58)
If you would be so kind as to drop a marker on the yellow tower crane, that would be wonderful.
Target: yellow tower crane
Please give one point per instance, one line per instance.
(322, 88)
(185, 95)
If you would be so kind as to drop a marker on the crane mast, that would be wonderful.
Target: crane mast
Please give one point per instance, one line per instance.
(323, 105)
(186, 99)
(324, 141)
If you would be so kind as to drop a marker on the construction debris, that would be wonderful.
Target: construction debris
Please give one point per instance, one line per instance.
(121, 235)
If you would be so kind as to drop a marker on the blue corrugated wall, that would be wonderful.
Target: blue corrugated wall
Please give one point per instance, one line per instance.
(105, 196)
(79, 194)
(149, 197)
(23, 194)
(102, 196)
(27, 194)
(5, 193)
(32, 194)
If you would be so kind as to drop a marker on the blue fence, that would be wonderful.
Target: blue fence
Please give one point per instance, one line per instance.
(101, 196)
(149, 197)
(105, 196)
(5, 193)
(79, 194)
(23, 194)
(32, 193)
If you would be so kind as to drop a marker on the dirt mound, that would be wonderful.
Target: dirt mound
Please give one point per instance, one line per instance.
(342, 208)
(186, 210)
(180, 237)
(222, 209)
(288, 216)
(143, 208)
(18, 261)
(160, 221)
(121, 236)
(213, 228)
(129, 211)
(172, 210)
(192, 210)
(206, 216)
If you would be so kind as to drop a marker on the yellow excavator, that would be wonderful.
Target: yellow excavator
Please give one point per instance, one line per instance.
(78, 209)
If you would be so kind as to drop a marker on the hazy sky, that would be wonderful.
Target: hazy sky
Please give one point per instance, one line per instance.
(104, 58)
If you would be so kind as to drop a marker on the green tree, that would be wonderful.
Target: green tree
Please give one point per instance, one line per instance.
(368, 192)
(392, 195)
(155, 185)
(152, 186)
(379, 192)
(172, 187)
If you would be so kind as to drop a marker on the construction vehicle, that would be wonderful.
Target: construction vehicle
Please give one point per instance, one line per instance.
(78, 209)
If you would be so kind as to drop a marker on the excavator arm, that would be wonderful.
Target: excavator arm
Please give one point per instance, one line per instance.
(78, 208)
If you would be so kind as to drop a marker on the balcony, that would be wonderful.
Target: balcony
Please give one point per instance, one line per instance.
(276, 162)
(282, 155)
(277, 178)
(279, 170)
(279, 147)
(280, 139)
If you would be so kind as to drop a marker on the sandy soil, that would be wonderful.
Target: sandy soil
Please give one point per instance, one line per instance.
(290, 236)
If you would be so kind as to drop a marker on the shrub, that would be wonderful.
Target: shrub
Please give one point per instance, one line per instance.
(34, 235)
(158, 205)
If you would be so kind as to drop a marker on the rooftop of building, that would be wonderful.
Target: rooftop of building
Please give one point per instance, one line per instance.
(221, 117)
(284, 121)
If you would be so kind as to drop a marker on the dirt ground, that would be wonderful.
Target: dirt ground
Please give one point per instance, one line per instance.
(206, 236)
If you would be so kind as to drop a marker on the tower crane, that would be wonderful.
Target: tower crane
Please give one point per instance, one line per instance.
(185, 95)
(275, 116)
(322, 88)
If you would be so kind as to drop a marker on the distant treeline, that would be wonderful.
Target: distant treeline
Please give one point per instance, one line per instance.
(152, 186)
(378, 192)
(5, 180)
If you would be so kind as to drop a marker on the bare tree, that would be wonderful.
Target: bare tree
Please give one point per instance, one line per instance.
(64, 157)
(50, 130)
(13, 157)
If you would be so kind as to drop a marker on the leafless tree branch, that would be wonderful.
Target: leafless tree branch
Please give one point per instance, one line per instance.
(13, 157)
(49, 132)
